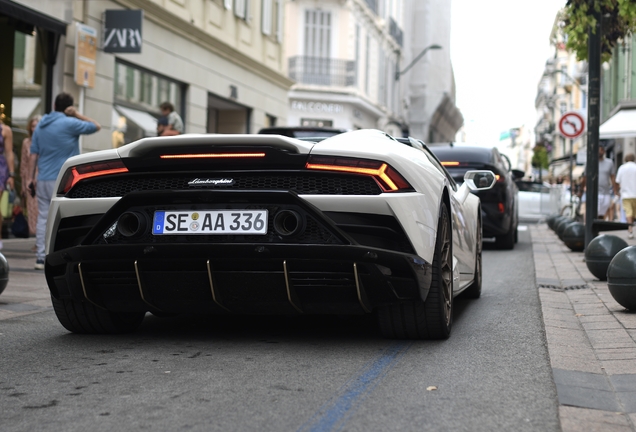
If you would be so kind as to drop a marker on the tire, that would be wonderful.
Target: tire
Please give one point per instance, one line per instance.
(507, 241)
(474, 290)
(86, 318)
(433, 318)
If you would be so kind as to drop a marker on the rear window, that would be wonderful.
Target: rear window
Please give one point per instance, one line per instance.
(463, 155)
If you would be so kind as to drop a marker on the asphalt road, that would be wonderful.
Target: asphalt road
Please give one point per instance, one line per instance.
(290, 374)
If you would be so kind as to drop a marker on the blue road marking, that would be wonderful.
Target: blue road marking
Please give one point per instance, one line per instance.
(333, 415)
(157, 224)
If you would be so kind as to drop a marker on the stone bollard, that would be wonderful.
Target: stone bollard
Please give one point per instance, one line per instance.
(562, 227)
(557, 221)
(599, 254)
(4, 273)
(574, 236)
(621, 278)
(551, 220)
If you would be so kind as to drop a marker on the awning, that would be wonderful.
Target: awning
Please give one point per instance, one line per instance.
(22, 109)
(141, 118)
(26, 18)
(620, 125)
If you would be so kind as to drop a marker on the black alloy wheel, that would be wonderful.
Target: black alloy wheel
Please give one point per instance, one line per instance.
(433, 318)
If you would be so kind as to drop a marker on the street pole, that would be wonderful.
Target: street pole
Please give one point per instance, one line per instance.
(593, 122)
(571, 179)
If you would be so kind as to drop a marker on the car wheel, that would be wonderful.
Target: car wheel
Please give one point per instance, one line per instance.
(84, 317)
(507, 241)
(474, 290)
(433, 318)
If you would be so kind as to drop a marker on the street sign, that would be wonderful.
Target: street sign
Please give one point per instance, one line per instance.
(572, 125)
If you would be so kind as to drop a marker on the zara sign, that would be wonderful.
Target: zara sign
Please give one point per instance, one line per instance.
(122, 31)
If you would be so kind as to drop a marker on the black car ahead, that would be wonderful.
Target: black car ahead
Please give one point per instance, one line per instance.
(499, 205)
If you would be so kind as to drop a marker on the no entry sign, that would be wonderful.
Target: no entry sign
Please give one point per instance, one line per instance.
(572, 125)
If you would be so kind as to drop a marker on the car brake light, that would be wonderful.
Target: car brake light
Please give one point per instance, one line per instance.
(212, 155)
(501, 207)
(387, 178)
(75, 174)
(450, 163)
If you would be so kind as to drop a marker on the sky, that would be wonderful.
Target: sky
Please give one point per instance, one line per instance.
(498, 50)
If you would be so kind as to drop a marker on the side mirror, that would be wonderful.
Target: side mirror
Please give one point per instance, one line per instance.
(518, 174)
(479, 180)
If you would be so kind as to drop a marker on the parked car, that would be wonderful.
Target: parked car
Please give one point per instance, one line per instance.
(499, 205)
(255, 224)
(535, 200)
(302, 131)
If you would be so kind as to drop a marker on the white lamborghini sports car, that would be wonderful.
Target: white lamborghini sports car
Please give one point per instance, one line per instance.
(264, 224)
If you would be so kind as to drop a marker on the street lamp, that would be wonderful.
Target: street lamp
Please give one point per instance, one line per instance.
(430, 47)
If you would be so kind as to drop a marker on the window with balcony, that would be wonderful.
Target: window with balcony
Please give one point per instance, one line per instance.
(317, 66)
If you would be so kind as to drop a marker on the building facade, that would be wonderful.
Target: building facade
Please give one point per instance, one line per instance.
(219, 62)
(347, 57)
(562, 88)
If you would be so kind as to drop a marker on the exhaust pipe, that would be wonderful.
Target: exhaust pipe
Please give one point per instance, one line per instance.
(132, 224)
(288, 223)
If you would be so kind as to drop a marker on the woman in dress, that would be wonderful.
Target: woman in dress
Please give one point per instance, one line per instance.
(6, 161)
(26, 169)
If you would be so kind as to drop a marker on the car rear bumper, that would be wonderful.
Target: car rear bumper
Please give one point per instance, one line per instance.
(231, 278)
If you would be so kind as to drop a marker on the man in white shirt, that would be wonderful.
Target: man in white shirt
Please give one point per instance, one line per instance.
(626, 187)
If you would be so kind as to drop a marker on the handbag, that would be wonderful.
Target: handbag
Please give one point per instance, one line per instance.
(6, 203)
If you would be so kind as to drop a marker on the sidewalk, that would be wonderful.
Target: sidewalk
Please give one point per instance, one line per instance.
(591, 339)
(26, 292)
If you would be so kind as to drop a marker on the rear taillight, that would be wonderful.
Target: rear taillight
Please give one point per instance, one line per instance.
(501, 207)
(387, 178)
(450, 163)
(500, 178)
(78, 173)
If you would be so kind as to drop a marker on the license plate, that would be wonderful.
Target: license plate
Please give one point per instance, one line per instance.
(210, 222)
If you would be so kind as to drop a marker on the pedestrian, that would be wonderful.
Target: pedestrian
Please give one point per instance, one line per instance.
(26, 169)
(606, 182)
(55, 139)
(626, 188)
(164, 128)
(6, 160)
(174, 119)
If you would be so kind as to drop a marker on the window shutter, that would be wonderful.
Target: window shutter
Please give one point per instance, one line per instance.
(266, 22)
(239, 8)
(279, 21)
(227, 4)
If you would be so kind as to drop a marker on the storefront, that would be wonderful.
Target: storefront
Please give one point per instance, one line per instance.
(332, 110)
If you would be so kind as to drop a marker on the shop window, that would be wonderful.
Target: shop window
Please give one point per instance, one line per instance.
(138, 94)
(146, 90)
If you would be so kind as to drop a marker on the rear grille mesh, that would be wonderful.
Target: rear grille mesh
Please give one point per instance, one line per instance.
(303, 183)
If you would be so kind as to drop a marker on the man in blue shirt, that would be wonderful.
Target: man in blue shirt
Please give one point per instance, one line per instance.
(55, 139)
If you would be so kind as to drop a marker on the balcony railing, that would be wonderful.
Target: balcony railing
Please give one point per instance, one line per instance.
(322, 71)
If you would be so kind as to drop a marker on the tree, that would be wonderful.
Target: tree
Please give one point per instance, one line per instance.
(540, 157)
(619, 21)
